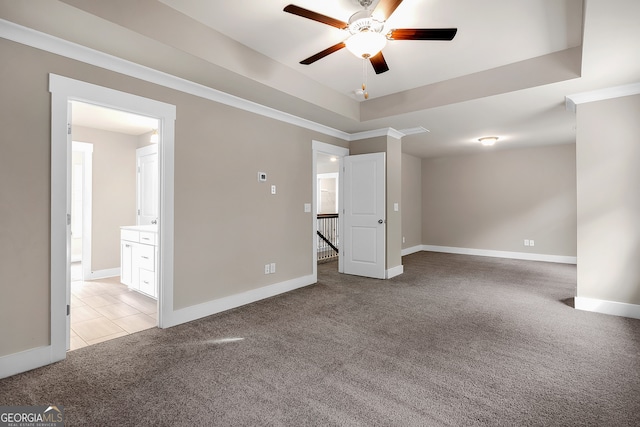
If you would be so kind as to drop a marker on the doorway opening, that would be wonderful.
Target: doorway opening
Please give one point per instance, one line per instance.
(113, 252)
(327, 204)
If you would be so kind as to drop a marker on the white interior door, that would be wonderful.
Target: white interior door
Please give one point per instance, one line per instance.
(364, 215)
(68, 230)
(147, 194)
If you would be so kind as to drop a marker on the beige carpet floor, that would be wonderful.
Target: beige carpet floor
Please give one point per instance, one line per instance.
(454, 341)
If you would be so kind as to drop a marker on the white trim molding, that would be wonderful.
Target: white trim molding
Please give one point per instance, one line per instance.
(572, 101)
(411, 250)
(394, 271)
(39, 40)
(208, 308)
(63, 90)
(561, 259)
(103, 274)
(607, 307)
(15, 363)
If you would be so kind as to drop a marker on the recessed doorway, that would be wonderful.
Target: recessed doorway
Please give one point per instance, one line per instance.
(105, 196)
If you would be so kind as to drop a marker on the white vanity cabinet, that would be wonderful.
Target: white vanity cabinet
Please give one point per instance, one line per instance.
(139, 259)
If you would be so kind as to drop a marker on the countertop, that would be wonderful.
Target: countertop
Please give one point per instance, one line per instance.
(151, 228)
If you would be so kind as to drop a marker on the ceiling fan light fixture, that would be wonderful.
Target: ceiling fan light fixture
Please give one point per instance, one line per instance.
(365, 44)
(488, 140)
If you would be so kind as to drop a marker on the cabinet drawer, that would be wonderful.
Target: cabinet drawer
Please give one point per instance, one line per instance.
(146, 257)
(130, 235)
(148, 282)
(147, 238)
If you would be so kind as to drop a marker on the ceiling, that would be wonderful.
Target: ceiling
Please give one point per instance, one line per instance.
(94, 116)
(506, 73)
(512, 31)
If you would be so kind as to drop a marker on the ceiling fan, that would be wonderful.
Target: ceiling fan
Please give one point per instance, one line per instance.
(366, 27)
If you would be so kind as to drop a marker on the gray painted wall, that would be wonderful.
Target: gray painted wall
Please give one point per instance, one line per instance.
(114, 191)
(221, 243)
(411, 205)
(608, 154)
(495, 200)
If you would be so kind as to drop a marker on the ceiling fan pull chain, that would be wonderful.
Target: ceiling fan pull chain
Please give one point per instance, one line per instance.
(364, 78)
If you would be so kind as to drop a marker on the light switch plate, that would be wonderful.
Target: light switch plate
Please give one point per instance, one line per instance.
(396, 208)
(307, 207)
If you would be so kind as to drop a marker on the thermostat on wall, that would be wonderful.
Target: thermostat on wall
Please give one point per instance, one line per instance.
(262, 176)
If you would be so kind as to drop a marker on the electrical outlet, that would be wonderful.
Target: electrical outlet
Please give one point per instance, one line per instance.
(267, 269)
(273, 189)
(526, 242)
(532, 243)
(273, 267)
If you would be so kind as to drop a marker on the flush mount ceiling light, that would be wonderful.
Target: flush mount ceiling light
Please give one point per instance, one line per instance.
(488, 140)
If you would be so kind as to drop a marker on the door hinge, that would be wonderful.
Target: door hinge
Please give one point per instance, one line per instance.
(68, 309)
(68, 128)
(68, 219)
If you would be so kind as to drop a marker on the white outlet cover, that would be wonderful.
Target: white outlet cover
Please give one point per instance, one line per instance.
(532, 243)
(262, 176)
(273, 267)
(273, 189)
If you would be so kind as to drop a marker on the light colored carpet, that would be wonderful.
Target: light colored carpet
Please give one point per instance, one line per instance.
(454, 341)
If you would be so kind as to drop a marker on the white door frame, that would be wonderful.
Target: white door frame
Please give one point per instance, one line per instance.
(63, 90)
(86, 149)
(340, 153)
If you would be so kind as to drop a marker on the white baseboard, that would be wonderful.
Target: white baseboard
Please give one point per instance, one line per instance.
(103, 274)
(608, 307)
(502, 254)
(227, 303)
(395, 271)
(27, 360)
(411, 250)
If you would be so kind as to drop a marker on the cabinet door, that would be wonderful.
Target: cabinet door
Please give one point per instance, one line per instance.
(148, 282)
(126, 267)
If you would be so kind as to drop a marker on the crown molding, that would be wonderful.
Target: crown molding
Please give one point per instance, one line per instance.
(46, 42)
(572, 101)
(39, 40)
(376, 133)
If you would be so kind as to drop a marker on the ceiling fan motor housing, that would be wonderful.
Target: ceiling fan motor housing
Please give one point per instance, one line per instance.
(364, 20)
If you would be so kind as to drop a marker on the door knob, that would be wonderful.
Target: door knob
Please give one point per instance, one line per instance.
(380, 221)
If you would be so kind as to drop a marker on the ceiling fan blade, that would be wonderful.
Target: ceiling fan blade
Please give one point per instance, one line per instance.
(385, 8)
(379, 64)
(320, 55)
(446, 34)
(309, 14)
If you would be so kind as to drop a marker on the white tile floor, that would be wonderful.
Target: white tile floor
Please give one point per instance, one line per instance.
(105, 309)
